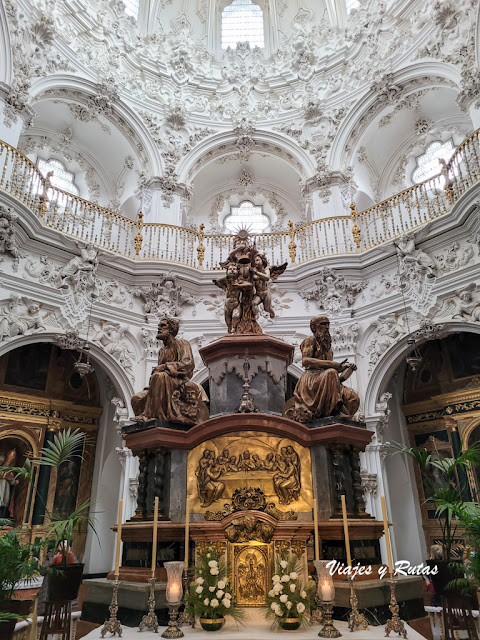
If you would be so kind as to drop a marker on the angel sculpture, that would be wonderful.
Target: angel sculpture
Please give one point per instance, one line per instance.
(19, 316)
(247, 285)
(466, 304)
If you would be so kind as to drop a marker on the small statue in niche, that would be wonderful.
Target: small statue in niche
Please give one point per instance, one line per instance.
(171, 395)
(320, 392)
(247, 285)
(7, 483)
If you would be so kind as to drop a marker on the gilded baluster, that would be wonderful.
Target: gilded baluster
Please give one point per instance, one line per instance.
(292, 247)
(138, 236)
(201, 246)
(355, 229)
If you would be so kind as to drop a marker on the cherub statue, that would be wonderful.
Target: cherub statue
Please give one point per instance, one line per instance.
(233, 285)
(467, 304)
(263, 275)
(411, 256)
(80, 270)
(19, 316)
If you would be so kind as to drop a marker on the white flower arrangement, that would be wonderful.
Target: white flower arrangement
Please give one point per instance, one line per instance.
(289, 598)
(211, 581)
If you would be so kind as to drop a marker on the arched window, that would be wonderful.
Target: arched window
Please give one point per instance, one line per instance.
(242, 21)
(428, 164)
(62, 179)
(132, 8)
(351, 4)
(246, 216)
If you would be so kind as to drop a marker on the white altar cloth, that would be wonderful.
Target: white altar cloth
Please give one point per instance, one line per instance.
(257, 628)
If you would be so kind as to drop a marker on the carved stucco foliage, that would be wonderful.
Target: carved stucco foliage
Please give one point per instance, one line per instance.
(9, 243)
(331, 292)
(164, 297)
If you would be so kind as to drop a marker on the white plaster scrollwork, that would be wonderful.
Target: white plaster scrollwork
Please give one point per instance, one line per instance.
(121, 414)
(382, 406)
(333, 293)
(465, 304)
(418, 271)
(429, 330)
(369, 482)
(389, 329)
(150, 344)
(9, 244)
(455, 257)
(112, 337)
(20, 316)
(69, 340)
(163, 297)
(344, 338)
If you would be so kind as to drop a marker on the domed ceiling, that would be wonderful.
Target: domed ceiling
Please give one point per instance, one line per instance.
(165, 104)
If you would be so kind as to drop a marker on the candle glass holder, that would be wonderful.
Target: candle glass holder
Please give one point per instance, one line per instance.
(112, 625)
(395, 623)
(326, 598)
(174, 597)
(185, 616)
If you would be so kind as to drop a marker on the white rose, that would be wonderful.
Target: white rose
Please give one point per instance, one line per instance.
(285, 578)
(292, 587)
(273, 606)
(214, 603)
(226, 603)
(283, 564)
(275, 579)
(214, 571)
(300, 607)
(278, 588)
(212, 563)
(228, 595)
(278, 611)
(303, 593)
(220, 593)
(199, 580)
(289, 605)
(199, 589)
(212, 589)
(294, 575)
(206, 602)
(221, 584)
(283, 597)
(272, 593)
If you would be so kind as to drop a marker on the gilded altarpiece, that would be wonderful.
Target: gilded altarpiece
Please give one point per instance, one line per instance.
(279, 467)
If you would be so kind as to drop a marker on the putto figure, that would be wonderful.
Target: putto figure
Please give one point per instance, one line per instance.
(320, 392)
(171, 395)
(247, 285)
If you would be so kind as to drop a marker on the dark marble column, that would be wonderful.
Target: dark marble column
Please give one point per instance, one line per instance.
(141, 511)
(358, 498)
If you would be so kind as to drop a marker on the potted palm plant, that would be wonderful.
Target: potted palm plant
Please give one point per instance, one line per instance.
(18, 562)
(210, 596)
(65, 579)
(446, 485)
(469, 569)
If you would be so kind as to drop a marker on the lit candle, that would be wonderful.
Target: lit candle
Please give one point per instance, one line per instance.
(328, 591)
(315, 529)
(154, 541)
(387, 535)
(119, 537)
(345, 529)
(187, 530)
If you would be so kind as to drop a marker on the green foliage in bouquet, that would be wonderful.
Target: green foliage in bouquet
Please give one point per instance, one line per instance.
(289, 597)
(210, 595)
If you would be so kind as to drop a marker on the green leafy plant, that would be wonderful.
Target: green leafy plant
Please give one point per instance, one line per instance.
(211, 595)
(469, 569)
(18, 561)
(445, 482)
(289, 597)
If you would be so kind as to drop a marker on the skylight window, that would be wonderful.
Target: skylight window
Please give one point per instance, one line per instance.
(428, 164)
(246, 216)
(61, 178)
(242, 21)
(132, 8)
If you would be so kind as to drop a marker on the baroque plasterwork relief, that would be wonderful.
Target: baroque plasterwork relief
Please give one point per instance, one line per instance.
(331, 292)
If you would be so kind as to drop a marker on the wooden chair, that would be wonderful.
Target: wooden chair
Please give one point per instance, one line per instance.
(457, 616)
(57, 620)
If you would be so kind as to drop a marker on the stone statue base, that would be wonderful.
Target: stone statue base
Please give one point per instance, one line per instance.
(135, 427)
(324, 422)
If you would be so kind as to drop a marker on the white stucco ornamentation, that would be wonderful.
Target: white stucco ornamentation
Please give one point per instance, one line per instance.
(20, 316)
(332, 293)
(9, 243)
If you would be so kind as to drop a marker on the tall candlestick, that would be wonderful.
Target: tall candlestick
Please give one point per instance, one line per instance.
(315, 529)
(387, 535)
(154, 539)
(187, 531)
(345, 530)
(119, 537)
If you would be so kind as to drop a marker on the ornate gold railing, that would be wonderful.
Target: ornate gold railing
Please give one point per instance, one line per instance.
(341, 235)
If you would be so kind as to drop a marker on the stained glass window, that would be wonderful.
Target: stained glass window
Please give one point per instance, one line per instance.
(428, 164)
(132, 8)
(246, 216)
(242, 21)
